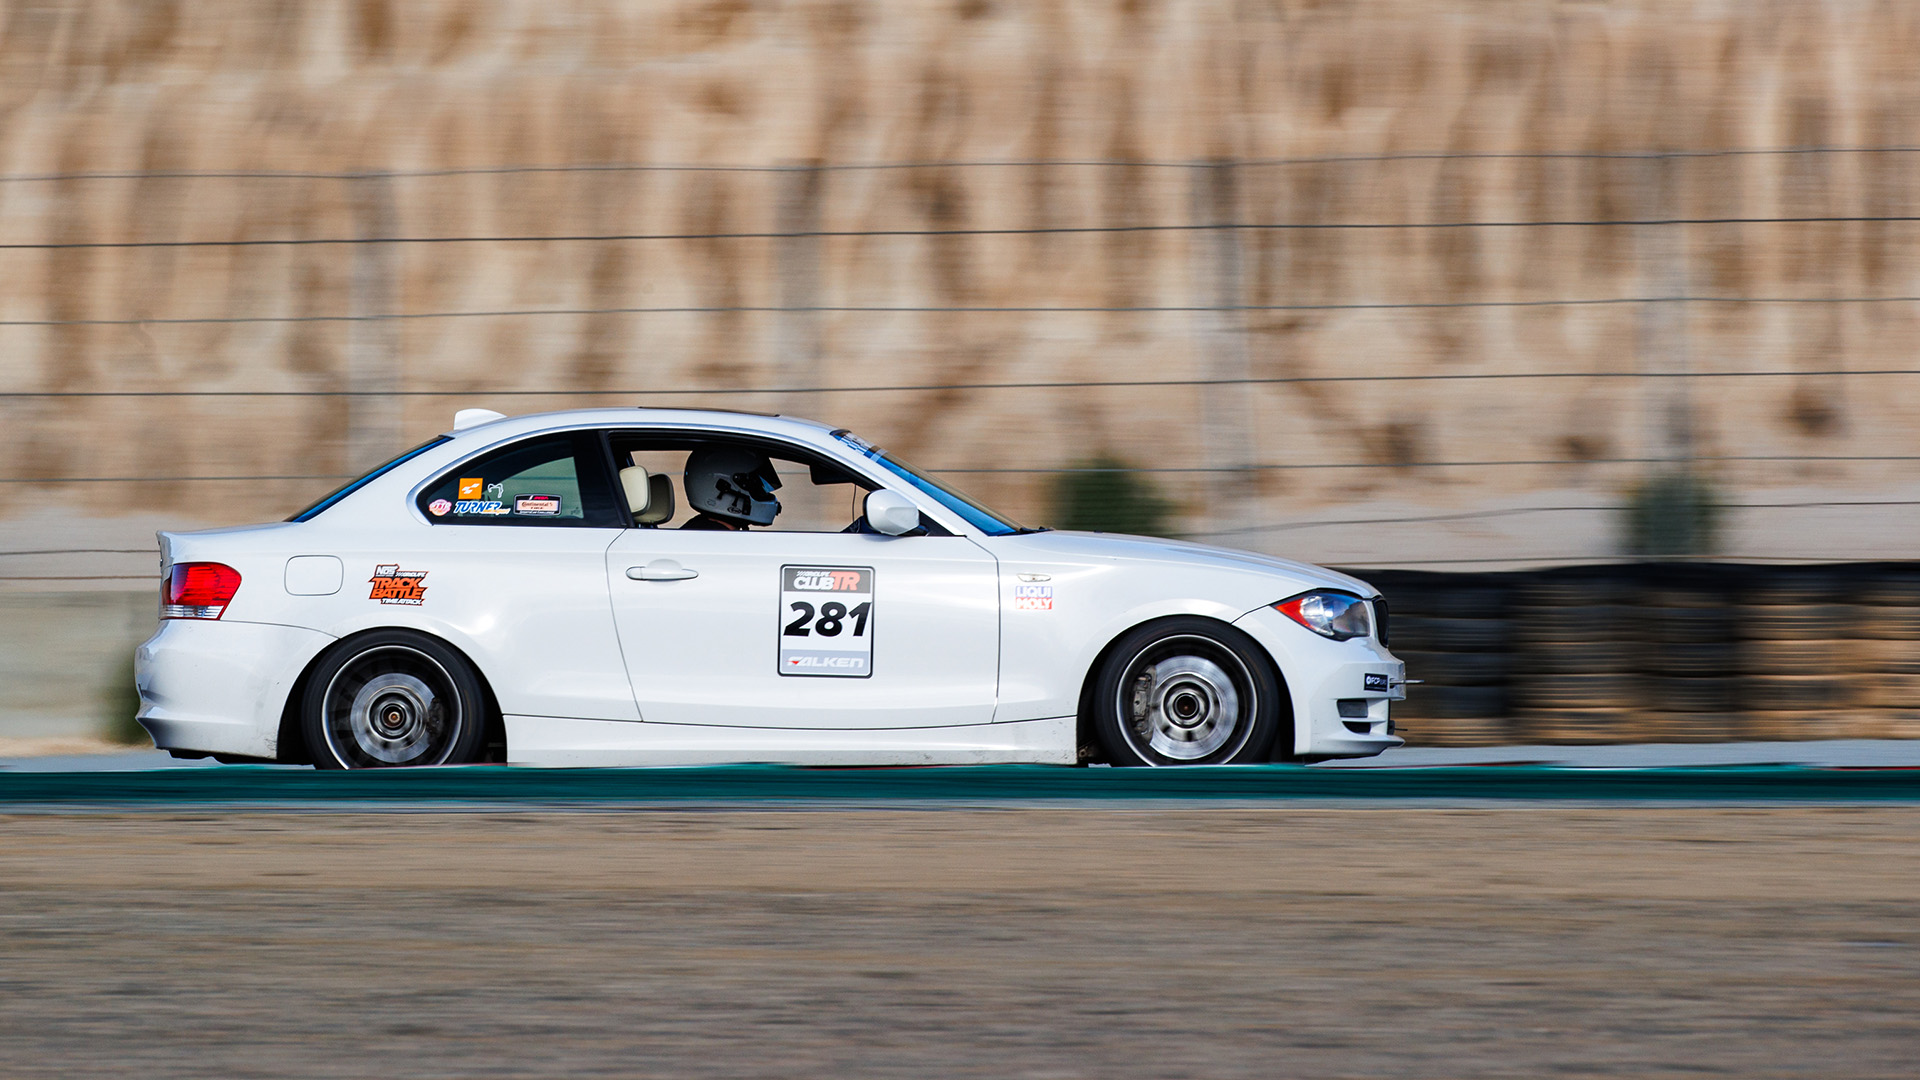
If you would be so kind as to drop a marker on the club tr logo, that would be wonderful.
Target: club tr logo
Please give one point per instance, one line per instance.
(392, 585)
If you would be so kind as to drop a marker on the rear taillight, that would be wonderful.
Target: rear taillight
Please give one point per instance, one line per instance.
(198, 590)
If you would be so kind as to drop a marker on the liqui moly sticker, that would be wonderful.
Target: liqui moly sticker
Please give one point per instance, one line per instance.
(1033, 598)
(826, 621)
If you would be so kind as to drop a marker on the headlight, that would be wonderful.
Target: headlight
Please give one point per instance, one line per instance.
(1330, 614)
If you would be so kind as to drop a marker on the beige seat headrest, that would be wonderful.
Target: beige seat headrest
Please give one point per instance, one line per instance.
(633, 481)
(659, 500)
(650, 498)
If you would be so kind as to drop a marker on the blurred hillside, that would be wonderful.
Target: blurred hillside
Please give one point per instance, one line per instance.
(246, 198)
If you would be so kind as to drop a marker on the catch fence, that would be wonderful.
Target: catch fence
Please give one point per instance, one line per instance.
(1447, 351)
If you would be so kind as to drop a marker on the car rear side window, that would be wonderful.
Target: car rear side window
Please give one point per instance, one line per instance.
(352, 486)
(552, 480)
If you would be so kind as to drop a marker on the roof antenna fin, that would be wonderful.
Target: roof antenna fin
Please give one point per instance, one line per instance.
(467, 418)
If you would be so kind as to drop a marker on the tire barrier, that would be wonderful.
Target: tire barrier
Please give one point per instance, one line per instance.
(1456, 635)
(1658, 652)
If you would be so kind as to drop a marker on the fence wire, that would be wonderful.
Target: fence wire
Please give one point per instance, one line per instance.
(1212, 228)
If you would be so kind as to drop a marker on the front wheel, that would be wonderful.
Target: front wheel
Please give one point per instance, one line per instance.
(393, 698)
(1186, 691)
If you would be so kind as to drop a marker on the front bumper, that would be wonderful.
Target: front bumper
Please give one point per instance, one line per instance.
(219, 687)
(1320, 675)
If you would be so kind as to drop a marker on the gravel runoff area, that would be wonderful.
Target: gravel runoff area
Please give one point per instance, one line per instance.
(1147, 941)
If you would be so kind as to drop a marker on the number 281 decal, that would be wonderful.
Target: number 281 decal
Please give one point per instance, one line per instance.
(826, 621)
(832, 620)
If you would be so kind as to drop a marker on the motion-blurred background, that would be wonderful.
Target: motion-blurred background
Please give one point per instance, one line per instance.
(1464, 294)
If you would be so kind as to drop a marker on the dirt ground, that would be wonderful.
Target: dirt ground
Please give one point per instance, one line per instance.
(1282, 941)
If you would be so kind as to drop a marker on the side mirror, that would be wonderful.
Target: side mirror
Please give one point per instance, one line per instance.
(889, 512)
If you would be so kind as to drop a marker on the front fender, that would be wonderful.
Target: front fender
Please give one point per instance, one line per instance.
(1049, 643)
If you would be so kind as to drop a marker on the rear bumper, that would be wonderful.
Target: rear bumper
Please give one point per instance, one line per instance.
(220, 687)
(1320, 674)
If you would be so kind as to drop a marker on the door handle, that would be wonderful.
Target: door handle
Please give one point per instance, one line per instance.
(661, 570)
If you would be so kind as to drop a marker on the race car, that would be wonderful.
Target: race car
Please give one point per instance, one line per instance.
(664, 587)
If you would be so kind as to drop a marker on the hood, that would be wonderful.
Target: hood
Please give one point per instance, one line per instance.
(1120, 546)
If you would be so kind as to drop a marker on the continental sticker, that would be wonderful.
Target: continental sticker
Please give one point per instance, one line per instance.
(537, 505)
(826, 621)
(392, 585)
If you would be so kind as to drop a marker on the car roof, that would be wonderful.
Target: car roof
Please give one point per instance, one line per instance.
(793, 427)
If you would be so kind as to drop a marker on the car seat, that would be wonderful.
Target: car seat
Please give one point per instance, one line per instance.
(650, 497)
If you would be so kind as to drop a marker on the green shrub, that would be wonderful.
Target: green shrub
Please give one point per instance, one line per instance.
(1672, 513)
(1108, 495)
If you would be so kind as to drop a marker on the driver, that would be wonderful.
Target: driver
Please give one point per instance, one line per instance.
(731, 487)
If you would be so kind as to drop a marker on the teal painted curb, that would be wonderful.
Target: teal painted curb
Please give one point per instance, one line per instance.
(988, 783)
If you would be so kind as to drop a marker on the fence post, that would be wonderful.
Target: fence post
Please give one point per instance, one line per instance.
(374, 409)
(1221, 335)
(797, 340)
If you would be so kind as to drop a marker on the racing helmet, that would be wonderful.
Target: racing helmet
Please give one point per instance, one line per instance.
(732, 482)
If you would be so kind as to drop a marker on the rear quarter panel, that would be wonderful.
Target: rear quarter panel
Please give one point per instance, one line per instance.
(528, 606)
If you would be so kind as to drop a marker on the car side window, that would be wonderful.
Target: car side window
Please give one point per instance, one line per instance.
(552, 480)
(813, 494)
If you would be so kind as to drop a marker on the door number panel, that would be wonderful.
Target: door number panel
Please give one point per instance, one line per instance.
(826, 621)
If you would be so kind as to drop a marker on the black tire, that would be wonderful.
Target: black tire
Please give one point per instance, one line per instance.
(1453, 703)
(1717, 659)
(390, 699)
(1791, 693)
(1686, 625)
(1796, 622)
(1457, 669)
(1575, 623)
(1580, 692)
(1452, 635)
(1681, 695)
(1581, 658)
(1186, 691)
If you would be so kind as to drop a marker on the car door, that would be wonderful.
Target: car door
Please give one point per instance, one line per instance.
(806, 629)
(513, 566)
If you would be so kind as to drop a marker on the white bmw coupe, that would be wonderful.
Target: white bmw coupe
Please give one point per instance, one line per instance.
(653, 587)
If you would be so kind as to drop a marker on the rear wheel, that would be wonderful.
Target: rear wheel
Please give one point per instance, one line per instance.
(391, 699)
(1186, 691)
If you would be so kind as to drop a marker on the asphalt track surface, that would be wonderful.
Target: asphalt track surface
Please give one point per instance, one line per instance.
(1111, 939)
(241, 786)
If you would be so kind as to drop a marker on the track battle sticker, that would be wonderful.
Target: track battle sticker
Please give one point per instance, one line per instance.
(392, 585)
(826, 621)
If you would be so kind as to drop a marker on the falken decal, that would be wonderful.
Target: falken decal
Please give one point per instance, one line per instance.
(392, 585)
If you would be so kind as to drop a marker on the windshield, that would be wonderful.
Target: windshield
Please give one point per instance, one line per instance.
(976, 515)
(352, 486)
